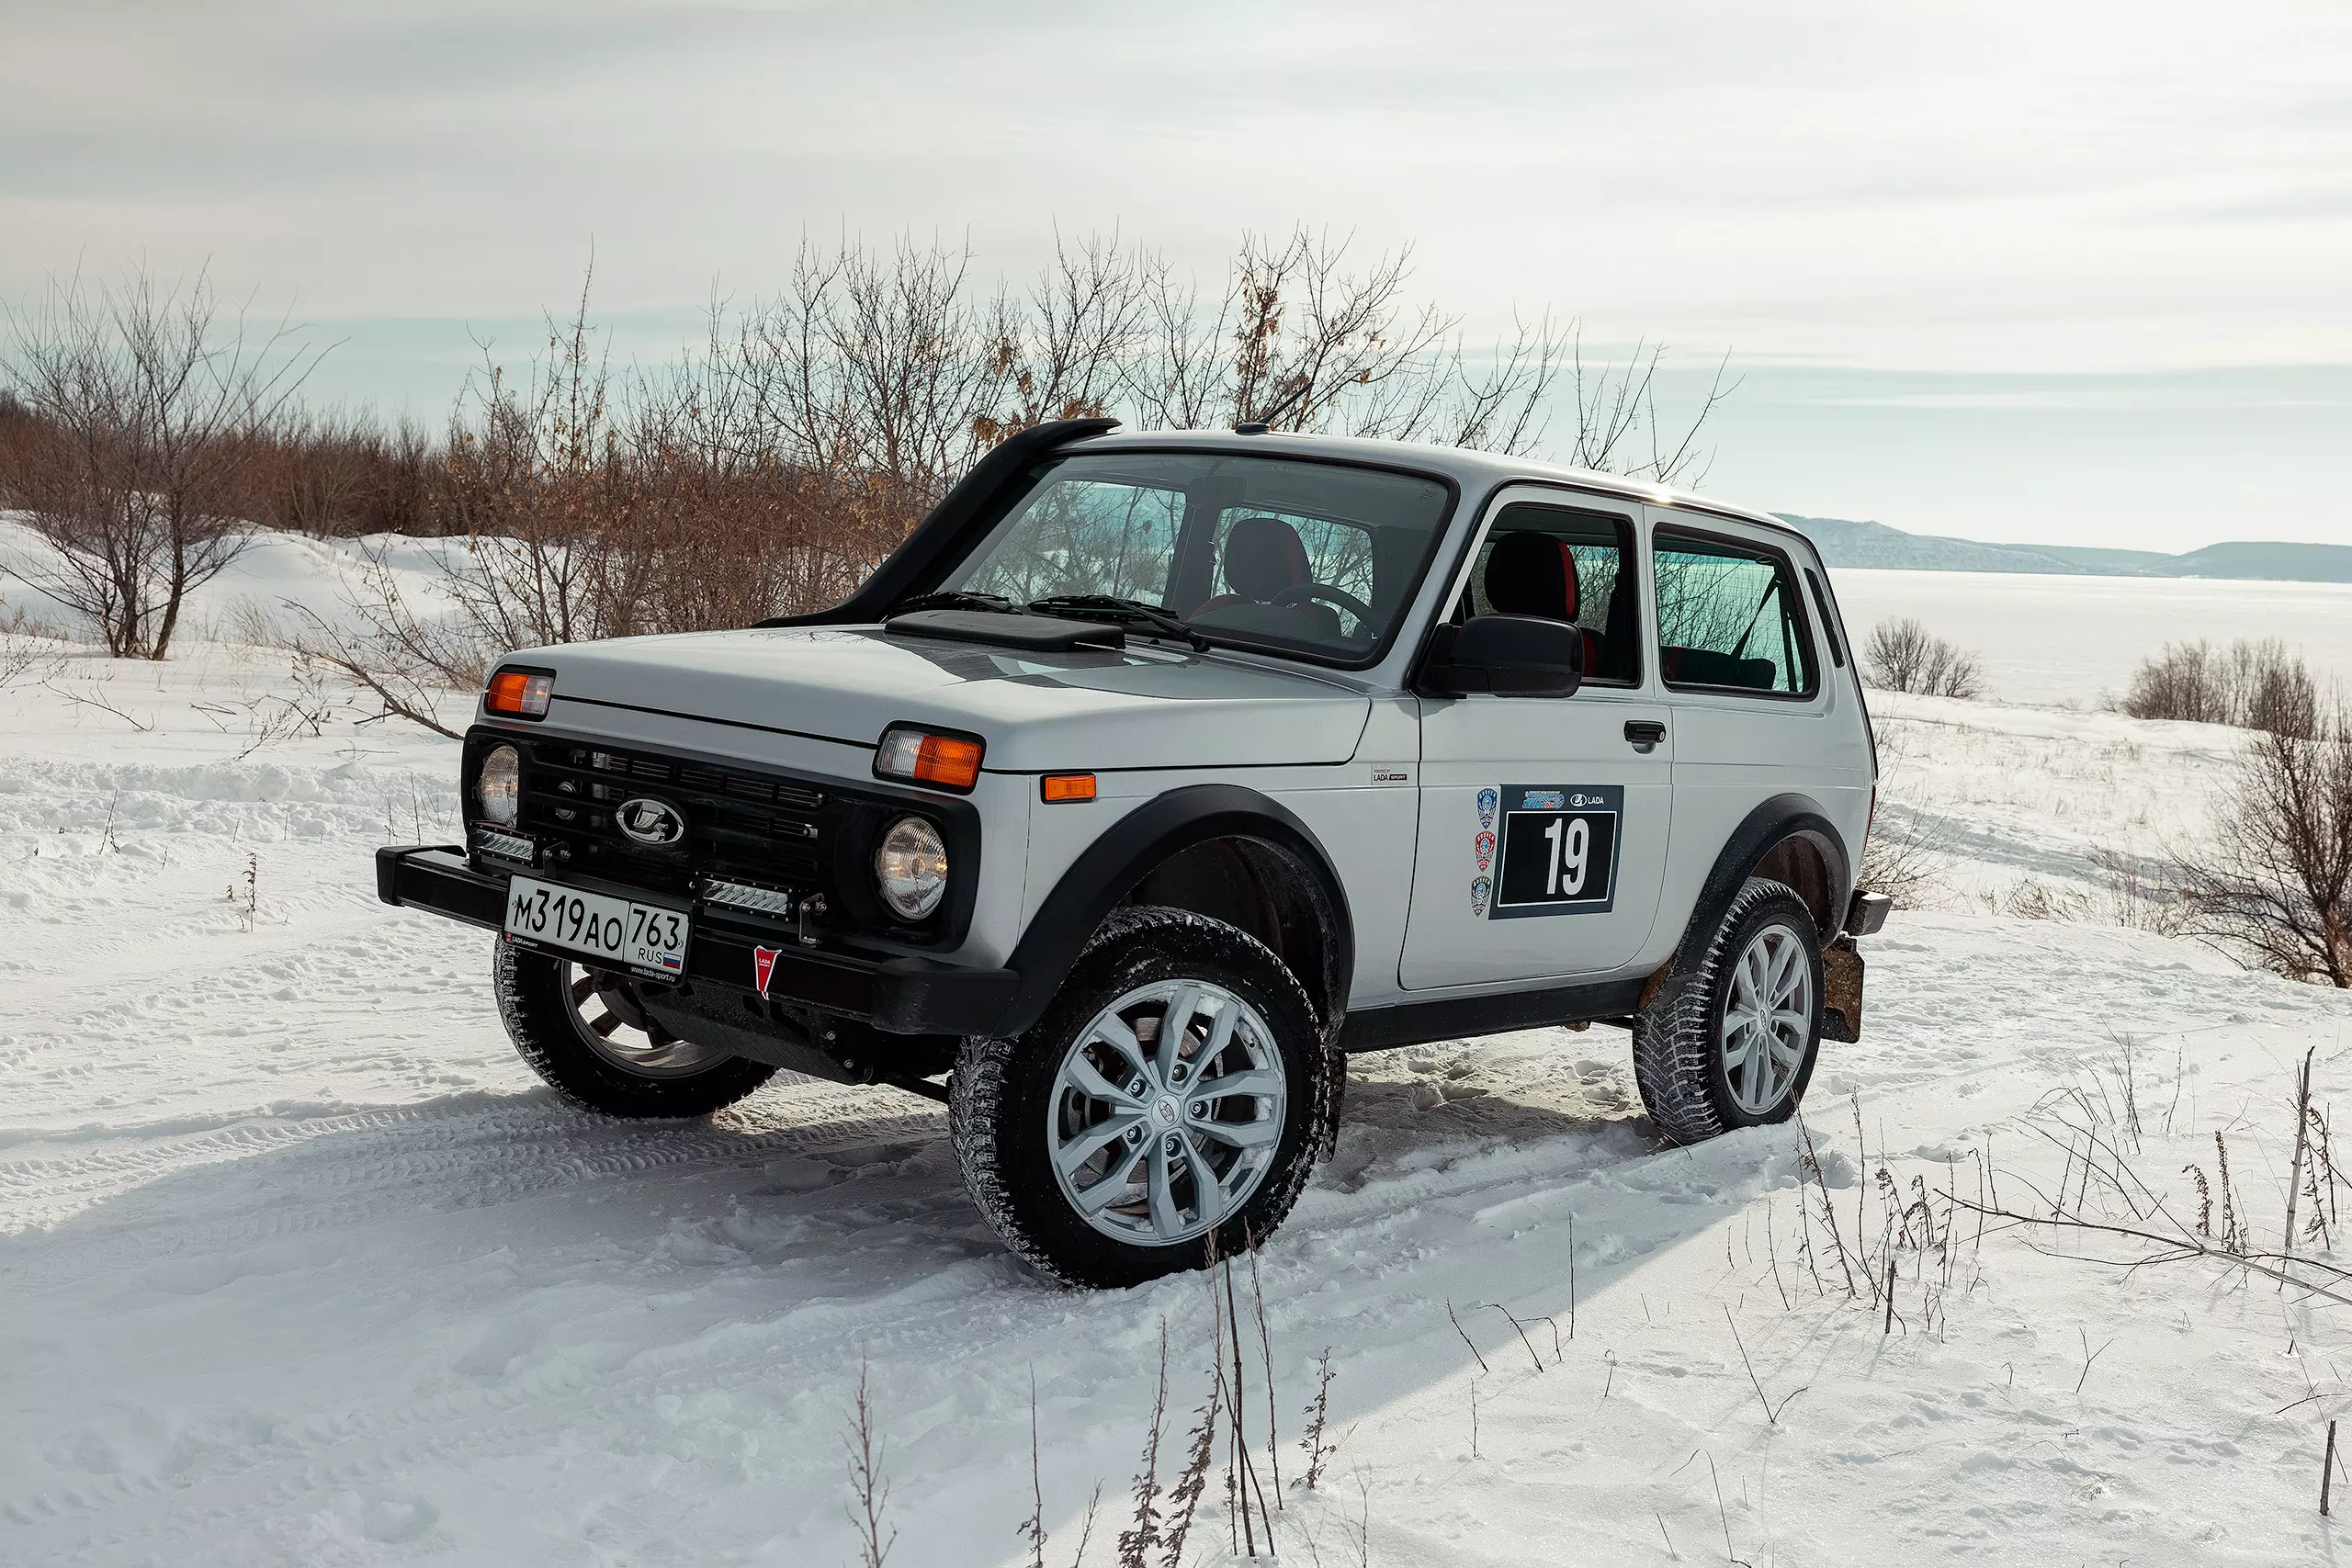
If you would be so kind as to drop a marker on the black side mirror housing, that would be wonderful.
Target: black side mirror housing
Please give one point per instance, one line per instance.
(1504, 656)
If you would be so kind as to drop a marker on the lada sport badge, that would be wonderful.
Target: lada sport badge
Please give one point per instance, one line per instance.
(655, 823)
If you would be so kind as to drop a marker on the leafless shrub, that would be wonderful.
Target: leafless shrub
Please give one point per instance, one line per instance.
(136, 453)
(1906, 857)
(2275, 884)
(1318, 1413)
(1901, 656)
(869, 1488)
(1907, 852)
(2255, 684)
(2141, 894)
(341, 474)
(2031, 898)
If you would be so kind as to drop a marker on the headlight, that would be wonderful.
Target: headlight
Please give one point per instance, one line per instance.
(911, 868)
(500, 784)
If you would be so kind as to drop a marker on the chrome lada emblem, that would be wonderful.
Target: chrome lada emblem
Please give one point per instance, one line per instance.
(655, 823)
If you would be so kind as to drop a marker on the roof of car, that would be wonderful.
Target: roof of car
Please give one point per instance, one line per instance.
(1471, 470)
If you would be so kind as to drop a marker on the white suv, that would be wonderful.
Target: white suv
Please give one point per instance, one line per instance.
(1156, 773)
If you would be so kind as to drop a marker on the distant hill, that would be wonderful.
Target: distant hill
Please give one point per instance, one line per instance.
(1845, 543)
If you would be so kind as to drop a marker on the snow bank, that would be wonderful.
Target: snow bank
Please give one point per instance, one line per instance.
(300, 1265)
(274, 573)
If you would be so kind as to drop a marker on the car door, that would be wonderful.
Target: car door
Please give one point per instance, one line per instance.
(1754, 716)
(1543, 821)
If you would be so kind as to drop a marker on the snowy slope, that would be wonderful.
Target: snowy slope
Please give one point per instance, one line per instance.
(298, 1264)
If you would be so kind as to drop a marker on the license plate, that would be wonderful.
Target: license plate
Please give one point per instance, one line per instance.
(617, 930)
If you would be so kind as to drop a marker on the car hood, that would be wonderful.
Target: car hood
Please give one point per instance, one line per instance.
(1085, 709)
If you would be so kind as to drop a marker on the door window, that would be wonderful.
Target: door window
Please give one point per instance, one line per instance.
(1563, 565)
(1728, 618)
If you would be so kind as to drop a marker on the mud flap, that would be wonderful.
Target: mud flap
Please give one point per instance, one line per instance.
(1841, 987)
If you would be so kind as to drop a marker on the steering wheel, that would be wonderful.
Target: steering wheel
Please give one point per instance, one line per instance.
(1305, 590)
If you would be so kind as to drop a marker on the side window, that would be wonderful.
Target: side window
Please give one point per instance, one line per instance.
(1728, 616)
(1564, 565)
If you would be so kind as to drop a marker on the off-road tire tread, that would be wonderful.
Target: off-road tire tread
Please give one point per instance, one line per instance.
(1674, 1046)
(537, 1016)
(980, 1091)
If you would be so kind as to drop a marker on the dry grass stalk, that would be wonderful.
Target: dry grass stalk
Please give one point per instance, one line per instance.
(1185, 1497)
(1523, 1334)
(1771, 1410)
(1136, 1542)
(1466, 1336)
(1266, 1353)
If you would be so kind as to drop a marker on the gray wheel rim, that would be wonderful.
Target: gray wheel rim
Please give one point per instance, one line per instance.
(612, 1024)
(1767, 1019)
(1167, 1113)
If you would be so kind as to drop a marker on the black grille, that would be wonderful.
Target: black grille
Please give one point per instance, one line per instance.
(741, 825)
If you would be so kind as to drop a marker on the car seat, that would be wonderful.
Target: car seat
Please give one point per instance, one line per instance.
(1264, 557)
(1534, 574)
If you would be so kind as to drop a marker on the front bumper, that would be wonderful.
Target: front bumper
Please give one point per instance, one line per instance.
(897, 995)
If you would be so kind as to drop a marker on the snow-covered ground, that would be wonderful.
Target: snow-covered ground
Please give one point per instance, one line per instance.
(298, 1264)
(2071, 640)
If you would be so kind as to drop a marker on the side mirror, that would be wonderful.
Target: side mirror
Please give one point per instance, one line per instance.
(1504, 656)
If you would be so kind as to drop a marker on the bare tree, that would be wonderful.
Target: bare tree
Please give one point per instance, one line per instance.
(1901, 656)
(2276, 884)
(145, 399)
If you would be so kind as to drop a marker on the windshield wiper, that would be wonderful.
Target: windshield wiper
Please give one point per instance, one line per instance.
(1107, 608)
(952, 599)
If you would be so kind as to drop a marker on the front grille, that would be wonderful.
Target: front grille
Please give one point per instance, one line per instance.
(739, 824)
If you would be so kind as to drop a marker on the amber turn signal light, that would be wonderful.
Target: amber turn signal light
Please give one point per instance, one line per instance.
(520, 693)
(1067, 787)
(948, 762)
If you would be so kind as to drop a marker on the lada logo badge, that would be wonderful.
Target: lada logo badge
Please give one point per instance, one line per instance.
(655, 823)
(1165, 1111)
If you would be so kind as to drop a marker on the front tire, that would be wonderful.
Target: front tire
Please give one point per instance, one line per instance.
(582, 1030)
(1166, 1109)
(1731, 1041)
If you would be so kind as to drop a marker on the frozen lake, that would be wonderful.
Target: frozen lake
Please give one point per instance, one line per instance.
(2067, 639)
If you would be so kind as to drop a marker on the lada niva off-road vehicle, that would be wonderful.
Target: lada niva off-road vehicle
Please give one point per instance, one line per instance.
(1156, 773)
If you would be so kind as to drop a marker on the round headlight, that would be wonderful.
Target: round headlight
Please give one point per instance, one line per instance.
(500, 784)
(911, 868)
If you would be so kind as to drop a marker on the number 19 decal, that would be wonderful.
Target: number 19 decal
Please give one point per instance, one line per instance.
(1559, 853)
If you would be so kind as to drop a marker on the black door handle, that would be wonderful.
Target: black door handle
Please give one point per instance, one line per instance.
(1643, 733)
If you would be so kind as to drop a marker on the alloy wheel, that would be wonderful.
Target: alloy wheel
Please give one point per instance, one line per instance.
(615, 1026)
(1767, 1019)
(1166, 1112)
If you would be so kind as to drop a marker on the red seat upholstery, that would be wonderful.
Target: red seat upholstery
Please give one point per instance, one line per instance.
(1264, 557)
(1534, 574)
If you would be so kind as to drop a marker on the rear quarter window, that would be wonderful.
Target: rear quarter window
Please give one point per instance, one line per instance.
(1730, 618)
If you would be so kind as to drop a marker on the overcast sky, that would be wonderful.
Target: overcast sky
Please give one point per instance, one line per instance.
(2014, 269)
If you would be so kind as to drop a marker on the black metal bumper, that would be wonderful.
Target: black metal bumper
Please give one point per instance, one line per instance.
(899, 996)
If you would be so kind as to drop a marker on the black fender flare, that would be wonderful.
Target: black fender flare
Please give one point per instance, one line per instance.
(1109, 869)
(1771, 824)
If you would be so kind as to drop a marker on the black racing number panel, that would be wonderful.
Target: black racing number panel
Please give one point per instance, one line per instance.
(1558, 850)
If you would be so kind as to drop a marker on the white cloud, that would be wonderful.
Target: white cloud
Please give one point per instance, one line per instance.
(2013, 186)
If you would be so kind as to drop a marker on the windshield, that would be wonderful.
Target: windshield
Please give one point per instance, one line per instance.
(1317, 558)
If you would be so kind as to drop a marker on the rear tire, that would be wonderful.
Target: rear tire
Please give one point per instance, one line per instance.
(1731, 1042)
(1104, 1160)
(583, 1032)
